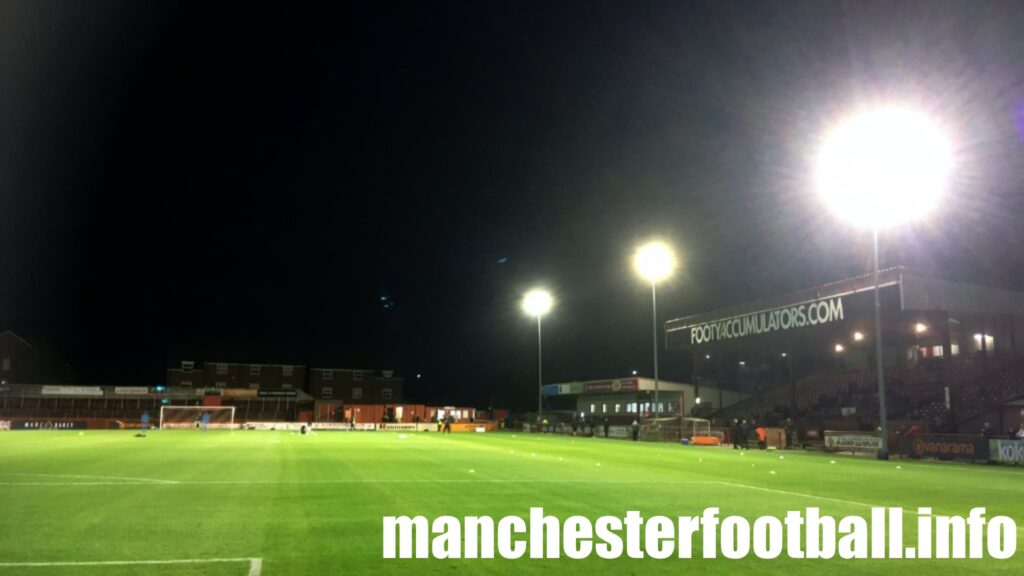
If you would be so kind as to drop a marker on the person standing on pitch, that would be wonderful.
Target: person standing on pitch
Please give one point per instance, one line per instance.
(735, 433)
(636, 430)
(448, 424)
(606, 427)
(145, 424)
(206, 421)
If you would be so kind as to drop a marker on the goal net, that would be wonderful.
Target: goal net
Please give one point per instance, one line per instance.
(192, 416)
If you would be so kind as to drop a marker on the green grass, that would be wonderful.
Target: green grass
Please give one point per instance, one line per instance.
(314, 505)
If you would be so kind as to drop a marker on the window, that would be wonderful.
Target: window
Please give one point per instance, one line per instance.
(357, 393)
(604, 408)
(357, 376)
(617, 407)
(7, 364)
(287, 370)
(385, 393)
(220, 384)
(186, 383)
(254, 385)
(327, 392)
(286, 385)
(255, 370)
(984, 342)
(222, 368)
(593, 408)
(328, 374)
(187, 365)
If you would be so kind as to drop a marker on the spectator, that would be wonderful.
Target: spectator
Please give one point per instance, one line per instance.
(1020, 433)
(636, 430)
(762, 437)
(988, 431)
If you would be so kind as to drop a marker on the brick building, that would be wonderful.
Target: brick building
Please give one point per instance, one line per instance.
(28, 362)
(235, 375)
(355, 386)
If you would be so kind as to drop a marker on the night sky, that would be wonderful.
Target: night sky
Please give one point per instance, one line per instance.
(245, 182)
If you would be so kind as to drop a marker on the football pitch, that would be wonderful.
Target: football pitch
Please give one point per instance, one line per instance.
(279, 503)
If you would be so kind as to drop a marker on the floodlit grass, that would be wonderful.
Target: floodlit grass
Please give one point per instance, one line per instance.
(314, 505)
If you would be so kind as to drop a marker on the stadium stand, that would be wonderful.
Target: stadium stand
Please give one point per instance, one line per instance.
(914, 395)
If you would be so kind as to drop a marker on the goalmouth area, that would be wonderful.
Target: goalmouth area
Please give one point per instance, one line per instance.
(277, 502)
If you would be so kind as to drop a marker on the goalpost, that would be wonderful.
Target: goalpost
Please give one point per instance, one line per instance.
(190, 416)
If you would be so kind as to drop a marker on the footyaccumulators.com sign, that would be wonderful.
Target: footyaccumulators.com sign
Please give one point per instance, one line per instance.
(798, 316)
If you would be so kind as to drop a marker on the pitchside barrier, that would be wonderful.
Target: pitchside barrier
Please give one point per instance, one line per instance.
(841, 441)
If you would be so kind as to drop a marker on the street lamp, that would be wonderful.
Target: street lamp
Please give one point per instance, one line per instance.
(877, 169)
(655, 262)
(538, 303)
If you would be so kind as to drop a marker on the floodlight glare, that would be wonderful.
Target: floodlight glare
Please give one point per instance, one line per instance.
(654, 261)
(537, 302)
(883, 167)
(839, 348)
(858, 336)
(920, 327)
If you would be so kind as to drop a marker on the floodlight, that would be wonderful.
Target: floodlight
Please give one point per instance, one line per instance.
(858, 336)
(839, 348)
(654, 261)
(920, 327)
(883, 167)
(537, 302)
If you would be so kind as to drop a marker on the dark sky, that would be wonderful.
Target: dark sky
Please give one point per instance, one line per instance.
(243, 182)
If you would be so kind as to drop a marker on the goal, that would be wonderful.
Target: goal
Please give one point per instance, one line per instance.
(191, 416)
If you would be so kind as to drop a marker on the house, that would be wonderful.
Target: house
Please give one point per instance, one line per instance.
(24, 361)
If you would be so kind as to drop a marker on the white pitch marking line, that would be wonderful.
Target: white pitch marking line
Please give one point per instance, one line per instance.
(368, 481)
(255, 564)
(797, 494)
(89, 477)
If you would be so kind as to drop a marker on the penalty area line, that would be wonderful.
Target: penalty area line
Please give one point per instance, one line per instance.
(255, 564)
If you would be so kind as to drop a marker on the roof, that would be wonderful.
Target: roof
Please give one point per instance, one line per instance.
(16, 337)
(918, 291)
(887, 277)
(612, 385)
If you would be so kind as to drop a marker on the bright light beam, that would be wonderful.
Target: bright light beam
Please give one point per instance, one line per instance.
(537, 302)
(884, 167)
(654, 261)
